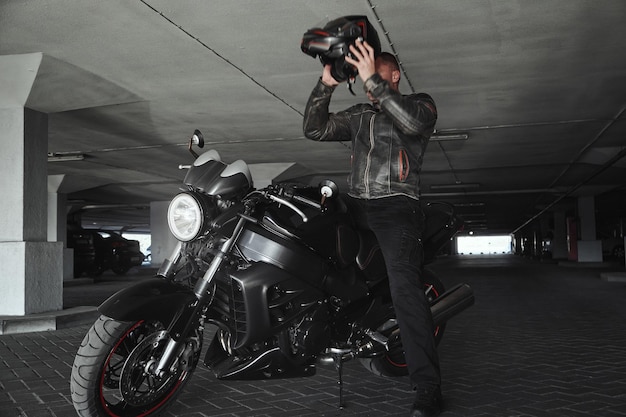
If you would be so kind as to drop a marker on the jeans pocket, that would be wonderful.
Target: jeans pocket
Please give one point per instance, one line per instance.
(410, 247)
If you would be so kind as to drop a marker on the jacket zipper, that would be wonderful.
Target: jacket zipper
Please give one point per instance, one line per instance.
(369, 159)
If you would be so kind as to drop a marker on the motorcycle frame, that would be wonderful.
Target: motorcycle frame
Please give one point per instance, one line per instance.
(182, 310)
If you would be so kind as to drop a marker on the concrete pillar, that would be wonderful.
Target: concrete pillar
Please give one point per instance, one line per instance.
(454, 246)
(57, 223)
(559, 236)
(162, 240)
(57, 207)
(540, 233)
(589, 248)
(263, 174)
(518, 248)
(30, 266)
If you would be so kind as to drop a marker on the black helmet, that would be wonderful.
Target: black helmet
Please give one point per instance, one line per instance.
(331, 43)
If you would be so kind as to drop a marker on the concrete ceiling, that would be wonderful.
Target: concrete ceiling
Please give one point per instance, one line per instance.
(539, 87)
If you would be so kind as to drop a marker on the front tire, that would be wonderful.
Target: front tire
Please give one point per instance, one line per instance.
(111, 373)
(393, 362)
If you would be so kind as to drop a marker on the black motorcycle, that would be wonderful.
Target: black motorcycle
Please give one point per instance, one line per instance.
(282, 273)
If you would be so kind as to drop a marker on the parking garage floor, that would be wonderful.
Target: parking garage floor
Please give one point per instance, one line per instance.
(542, 339)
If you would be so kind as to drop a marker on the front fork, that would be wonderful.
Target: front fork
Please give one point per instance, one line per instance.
(167, 267)
(201, 290)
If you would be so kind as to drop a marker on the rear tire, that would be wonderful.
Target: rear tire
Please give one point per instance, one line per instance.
(111, 378)
(393, 363)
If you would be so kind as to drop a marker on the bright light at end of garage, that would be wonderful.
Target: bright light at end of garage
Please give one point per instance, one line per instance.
(484, 245)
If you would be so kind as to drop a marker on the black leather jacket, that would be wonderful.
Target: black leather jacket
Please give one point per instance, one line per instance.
(388, 142)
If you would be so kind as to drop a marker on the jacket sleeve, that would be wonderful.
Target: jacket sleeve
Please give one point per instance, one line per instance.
(318, 123)
(414, 114)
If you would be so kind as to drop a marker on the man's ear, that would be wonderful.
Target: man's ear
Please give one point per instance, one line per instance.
(395, 76)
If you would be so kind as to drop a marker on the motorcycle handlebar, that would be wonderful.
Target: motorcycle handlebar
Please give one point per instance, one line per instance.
(290, 205)
(278, 195)
(308, 202)
(282, 195)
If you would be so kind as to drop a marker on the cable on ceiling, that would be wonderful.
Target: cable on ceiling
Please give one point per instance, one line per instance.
(621, 154)
(223, 58)
(408, 80)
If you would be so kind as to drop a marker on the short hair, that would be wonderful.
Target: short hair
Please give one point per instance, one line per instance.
(389, 59)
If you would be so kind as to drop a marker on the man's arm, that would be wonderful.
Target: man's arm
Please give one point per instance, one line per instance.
(318, 123)
(415, 114)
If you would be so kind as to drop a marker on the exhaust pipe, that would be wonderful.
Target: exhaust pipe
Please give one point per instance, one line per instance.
(451, 303)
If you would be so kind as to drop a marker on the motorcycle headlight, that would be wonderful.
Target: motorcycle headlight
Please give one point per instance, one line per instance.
(185, 216)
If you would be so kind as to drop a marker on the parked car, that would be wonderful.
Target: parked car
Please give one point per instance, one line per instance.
(96, 251)
(611, 231)
(148, 256)
(82, 241)
(613, 248)
(114, 252)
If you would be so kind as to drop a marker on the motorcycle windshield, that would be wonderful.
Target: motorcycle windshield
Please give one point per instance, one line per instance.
(213, 177)
(203, 177)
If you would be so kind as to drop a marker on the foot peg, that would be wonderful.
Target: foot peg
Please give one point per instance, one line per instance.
(377, 337)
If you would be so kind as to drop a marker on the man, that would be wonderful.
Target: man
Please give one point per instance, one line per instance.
(389, 138)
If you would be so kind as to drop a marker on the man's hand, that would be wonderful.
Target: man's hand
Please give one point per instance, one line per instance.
(364, 60)
(327, 78)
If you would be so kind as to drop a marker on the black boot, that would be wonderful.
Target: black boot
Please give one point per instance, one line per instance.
(428, 402)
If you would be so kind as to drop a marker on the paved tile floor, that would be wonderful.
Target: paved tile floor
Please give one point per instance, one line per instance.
(541, 340)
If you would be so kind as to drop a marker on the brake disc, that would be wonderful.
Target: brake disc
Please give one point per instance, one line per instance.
(139, 384)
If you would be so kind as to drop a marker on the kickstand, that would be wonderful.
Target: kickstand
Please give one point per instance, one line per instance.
(338, 355)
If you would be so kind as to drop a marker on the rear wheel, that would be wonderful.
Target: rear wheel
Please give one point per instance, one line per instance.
(113, 372)
(393, 362)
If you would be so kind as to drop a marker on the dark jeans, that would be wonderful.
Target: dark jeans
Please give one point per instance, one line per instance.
(398, 223)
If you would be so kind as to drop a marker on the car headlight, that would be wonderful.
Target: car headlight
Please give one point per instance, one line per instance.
(185, 217)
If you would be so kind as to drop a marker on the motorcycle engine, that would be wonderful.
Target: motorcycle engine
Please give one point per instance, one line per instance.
(311, 338)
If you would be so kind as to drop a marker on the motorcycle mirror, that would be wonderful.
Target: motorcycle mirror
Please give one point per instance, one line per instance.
(327, 189)
(198, 140)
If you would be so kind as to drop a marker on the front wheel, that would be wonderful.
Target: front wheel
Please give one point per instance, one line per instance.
(393, 363)
(113, 376)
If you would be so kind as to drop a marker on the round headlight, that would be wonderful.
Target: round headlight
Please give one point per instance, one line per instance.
(185, 217)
